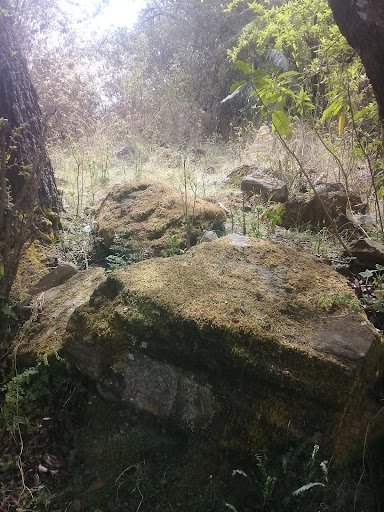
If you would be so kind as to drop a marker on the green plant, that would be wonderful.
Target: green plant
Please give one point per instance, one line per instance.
(78, 158)
(173, 247)
(332, 300)
(76, 240)
(279, 486)
(275, 94)
(273, 218)
(188, 181)
(124, 251)
(377, 274)
(9, 313)
(18, 219)
(377, 277)
(138, 161)
(25, 392)
(256, 230)
(105, 166)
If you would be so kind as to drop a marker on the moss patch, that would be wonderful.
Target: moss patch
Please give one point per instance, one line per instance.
(152, 213)
(47, 334)
(32, 267)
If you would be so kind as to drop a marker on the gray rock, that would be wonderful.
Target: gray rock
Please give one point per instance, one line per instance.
(126, 153)
(162, 390)
(235, 177)
(56, 277)
(366, 221)
(209, 236)
(270, 189)
(325, 188)
(238, 240)
(56, 307)
(153, 336)
(368, 252)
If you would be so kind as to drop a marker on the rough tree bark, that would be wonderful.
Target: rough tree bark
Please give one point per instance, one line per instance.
(19, 105)
(362, 24)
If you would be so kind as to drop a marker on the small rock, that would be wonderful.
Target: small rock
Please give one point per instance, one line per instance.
(56, 277)
(325, 188)
(269, 188)
(235, 177)
(368, 252)
(126, 153)
(209, 236)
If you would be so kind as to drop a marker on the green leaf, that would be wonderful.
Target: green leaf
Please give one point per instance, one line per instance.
(275, 97)
(243, 66)
(306, 487)
(236, 85)
(259, 77)
(20, 420)
(288, 73)
(230, 96)
(366, 274)
(370, 110)
(281, 123)
(333, 109)
(380, 192)
(9, 312)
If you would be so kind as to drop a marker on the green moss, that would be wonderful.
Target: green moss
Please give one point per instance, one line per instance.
(152, 212)
(222, 314)
(32, 267)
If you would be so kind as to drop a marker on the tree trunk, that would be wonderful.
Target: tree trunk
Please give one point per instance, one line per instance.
(362, 24)
(19, 105)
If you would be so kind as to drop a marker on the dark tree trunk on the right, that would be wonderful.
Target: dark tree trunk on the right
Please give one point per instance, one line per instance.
(362, 24)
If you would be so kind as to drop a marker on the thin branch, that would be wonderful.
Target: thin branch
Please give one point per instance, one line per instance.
(318, 196)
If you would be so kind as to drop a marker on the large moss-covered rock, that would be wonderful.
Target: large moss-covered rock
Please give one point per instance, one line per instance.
(152, 212)
(229, 339)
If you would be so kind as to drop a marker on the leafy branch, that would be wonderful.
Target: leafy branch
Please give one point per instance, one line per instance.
(273, 93)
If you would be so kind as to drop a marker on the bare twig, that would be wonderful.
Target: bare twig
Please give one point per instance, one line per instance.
(368, 160)
(318, 197)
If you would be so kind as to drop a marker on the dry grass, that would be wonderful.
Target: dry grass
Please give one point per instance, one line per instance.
(88, 169)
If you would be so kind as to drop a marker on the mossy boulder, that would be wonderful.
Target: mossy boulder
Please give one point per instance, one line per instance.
(229, 340)
(152, 212)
